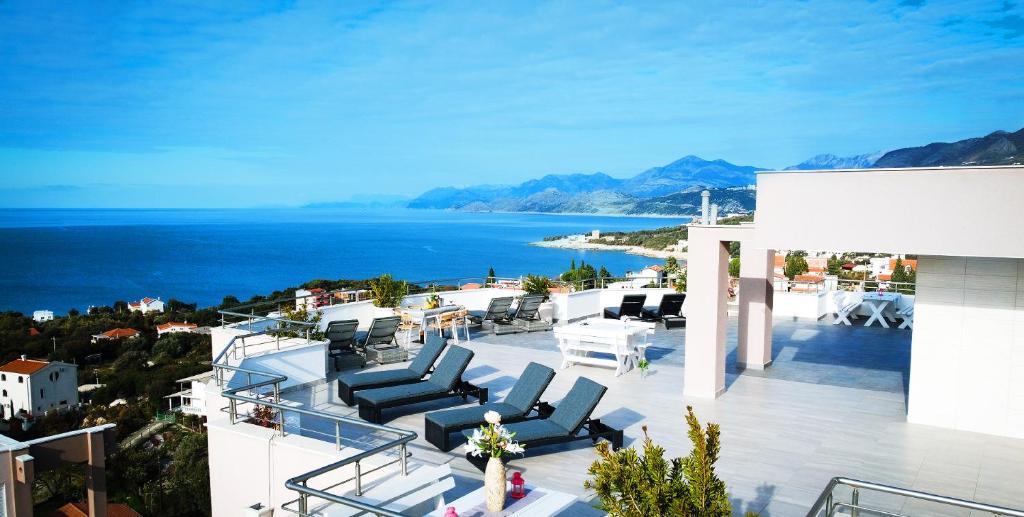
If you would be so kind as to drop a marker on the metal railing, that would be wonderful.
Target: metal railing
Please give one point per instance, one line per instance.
(828, 504)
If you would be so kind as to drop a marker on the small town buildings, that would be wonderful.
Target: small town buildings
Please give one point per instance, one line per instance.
(310, 299)
(118, 333)
(41, 316)
(33, 387)
(172, 326)
(191, 397)
(147, 305)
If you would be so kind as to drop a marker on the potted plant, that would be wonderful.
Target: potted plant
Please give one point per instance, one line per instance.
(643, 365)
(388, 292)
(541, 285)
(493, 440)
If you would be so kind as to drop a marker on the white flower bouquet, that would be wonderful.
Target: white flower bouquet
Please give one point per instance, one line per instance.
(493, 439)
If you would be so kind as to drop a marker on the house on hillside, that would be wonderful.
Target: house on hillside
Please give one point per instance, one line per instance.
(36, 387)
(310, 299)
(117, 333)
(81, 509)
(41, 316)
(172, 326)
(147, 305)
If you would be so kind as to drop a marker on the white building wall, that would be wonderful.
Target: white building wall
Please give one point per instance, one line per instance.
(55, 394)
(967, 355)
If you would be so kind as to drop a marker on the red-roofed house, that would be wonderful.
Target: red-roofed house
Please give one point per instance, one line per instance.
(37, 387)
(82, 510)
(117, 333)
(147, 304)
(32, 331)
(908, 264)
(172, 326)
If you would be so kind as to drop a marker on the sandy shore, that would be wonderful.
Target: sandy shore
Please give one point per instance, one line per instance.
(632, 250)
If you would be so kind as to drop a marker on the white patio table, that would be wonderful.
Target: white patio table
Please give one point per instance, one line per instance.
(878, 303)
(538, 502)
(417, 313)
(626, 340)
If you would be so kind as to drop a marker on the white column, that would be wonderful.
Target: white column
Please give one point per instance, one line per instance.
(754, 347)
(707, 280)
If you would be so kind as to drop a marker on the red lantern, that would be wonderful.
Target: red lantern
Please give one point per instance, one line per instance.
(518, 486)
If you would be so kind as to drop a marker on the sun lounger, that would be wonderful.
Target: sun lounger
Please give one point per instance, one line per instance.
(349, 383)
(570, 421)
(527, 317)
(342, 346)
(667, 311)
(632, 305)
(521, 400)
(446, 381)
(382, 332)
(497, 312)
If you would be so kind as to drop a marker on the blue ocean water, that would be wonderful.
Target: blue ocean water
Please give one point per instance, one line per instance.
(62, 259)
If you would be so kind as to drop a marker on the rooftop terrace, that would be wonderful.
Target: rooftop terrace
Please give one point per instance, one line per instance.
(832, 403)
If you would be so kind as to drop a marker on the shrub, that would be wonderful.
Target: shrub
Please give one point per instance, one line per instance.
(629, 484)
(388, 292)
(536, 284)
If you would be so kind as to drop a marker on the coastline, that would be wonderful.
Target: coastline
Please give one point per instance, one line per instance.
(632, 250)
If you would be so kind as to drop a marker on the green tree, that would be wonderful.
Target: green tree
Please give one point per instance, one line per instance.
(490, 277)
(834, 265)
(795, 265)
(604, 273)
(899, 273)
(734, 248)
(734, 267)
(671, 264)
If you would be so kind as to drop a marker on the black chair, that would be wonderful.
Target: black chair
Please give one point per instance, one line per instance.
(382, 332)
(568, 422)
(496, 313)
(667, 311)
(518, 404)
(446, 381)
(632, 305)
(342, 346)
(349, 383)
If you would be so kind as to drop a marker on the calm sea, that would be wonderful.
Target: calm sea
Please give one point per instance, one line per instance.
(60, 259)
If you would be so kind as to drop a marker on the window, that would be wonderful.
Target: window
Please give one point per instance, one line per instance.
(21, 380)
(63, 402)
(5, 393)
(54, 376)
(3, 376)
(42, 394)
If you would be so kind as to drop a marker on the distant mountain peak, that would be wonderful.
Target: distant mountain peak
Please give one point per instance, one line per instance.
(831, 161)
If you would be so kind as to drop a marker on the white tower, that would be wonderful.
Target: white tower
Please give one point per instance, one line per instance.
(705, 201)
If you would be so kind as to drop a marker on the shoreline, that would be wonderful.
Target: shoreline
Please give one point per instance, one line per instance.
(570, 244)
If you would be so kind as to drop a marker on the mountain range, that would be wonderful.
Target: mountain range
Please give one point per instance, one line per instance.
(674, 189)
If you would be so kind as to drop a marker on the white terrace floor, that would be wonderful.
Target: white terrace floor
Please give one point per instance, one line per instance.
(833, 403)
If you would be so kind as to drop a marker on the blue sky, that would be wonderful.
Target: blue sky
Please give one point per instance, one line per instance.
(282, 103)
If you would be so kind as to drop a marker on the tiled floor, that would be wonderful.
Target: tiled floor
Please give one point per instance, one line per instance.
(832, 403)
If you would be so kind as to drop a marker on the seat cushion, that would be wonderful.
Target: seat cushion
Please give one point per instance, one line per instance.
(471, 415)
(536, 430)
(379, 396)
(357, 379)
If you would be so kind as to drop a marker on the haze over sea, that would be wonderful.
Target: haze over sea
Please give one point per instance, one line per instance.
(63, 259)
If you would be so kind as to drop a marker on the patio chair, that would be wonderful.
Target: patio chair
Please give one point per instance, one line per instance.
(632, 305)
(668, 311)
(446, 381)
(570, 421)
(349, 383)
(497, 311)
(520, 401)
(452, 321)
(342, 346)
(846, 302)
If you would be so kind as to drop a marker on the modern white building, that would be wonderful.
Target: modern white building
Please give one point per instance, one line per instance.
(41, 316)
(171, 327)
(190, 399)
(37, 387)
(147, 305)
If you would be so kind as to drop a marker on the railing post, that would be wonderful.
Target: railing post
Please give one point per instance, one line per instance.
(405, 460)
(828, 505)
(277, 392)
(359, 480)
(231, 410)
(337, 434)
(303, 502)
(280, 418)
(855, 501)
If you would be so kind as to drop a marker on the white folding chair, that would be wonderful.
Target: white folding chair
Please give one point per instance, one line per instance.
(907, 313)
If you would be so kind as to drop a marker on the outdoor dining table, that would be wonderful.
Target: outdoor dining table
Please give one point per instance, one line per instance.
(879, 302)
(538, 502)
(423, 315)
